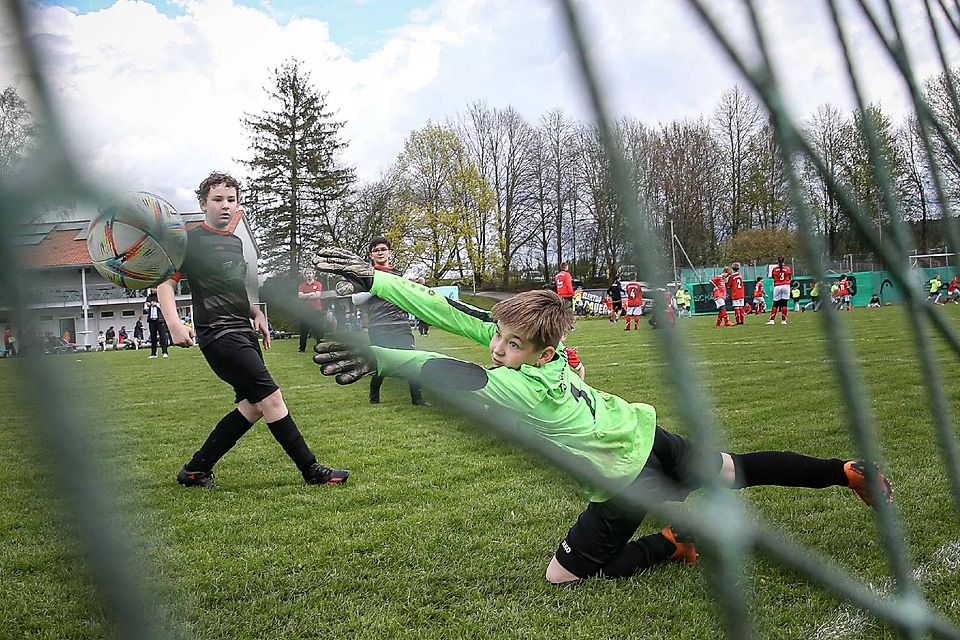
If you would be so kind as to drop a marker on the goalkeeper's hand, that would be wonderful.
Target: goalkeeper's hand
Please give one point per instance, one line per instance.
(346, 363)
(347, 265)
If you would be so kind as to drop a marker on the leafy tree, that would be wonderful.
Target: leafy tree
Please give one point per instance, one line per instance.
(17, 130)
(759, 245)
(297, 184)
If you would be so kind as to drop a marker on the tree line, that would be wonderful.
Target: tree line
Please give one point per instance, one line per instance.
(489, 196)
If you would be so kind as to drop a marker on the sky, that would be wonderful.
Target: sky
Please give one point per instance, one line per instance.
(152, 93)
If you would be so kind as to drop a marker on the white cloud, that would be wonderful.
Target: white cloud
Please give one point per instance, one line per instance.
(155, 102)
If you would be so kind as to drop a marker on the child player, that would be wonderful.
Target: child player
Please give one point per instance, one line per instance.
(634, 304)
(216, 268)
(719, 283)
(735, 285)
(782, 275)
(618, 441)
(759, 303)
(608, 303)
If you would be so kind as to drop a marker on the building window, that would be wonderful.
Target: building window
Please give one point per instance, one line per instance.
(106, 314)
(128, 313)
(46, 318)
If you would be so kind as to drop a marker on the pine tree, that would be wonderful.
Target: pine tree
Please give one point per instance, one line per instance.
(297, 183)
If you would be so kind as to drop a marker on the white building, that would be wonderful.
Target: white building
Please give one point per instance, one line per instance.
(65, 294)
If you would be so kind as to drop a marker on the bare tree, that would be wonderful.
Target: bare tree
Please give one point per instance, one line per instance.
(17, 129)
(826, 133)
(915, 179)
(736, 122)
(689, 192)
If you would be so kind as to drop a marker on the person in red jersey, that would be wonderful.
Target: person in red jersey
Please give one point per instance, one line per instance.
(634, 304)
(563, 282)
(843, 294)
(719, 283)
(608, 303)
(573, 361)
(782, 274)
(309, 293)
(953, 292)
(735, 285)
(759, 303)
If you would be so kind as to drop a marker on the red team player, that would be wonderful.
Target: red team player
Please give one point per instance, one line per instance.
(735, 284)
(720, 297)
(782, 275)
(759, 303)
(634, 304)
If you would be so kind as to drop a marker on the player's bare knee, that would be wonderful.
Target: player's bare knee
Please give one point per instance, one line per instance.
(557, 575)
(728, 471)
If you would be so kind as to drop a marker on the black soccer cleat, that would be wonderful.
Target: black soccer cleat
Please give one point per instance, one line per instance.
(319, 474)
(196, 478)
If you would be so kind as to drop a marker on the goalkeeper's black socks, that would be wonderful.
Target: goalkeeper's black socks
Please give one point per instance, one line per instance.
(787, 469)
(230, 429)
(286, 433)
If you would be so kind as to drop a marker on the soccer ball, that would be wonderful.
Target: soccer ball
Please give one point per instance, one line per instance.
(137, 240)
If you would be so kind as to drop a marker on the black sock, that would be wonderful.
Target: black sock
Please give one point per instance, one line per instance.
(416, 395)
(230, 429)
(375, 382)
(286, 433)
(787, 469)
(638, 555)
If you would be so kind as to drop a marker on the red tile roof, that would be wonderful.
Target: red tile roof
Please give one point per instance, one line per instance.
(60, 249)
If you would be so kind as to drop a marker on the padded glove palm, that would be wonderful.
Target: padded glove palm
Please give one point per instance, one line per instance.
(347, 265)
(346, 363)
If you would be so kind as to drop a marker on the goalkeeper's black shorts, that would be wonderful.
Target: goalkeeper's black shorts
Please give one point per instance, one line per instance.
(604, 528)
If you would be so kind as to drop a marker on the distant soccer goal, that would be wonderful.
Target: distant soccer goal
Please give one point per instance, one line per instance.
(932, 260)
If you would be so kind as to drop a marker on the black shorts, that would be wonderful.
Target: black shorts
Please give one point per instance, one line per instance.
(618, 305)
(604, 528)
(237, 360)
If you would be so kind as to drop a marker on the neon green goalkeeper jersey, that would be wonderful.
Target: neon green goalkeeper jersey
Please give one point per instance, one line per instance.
(614, 437)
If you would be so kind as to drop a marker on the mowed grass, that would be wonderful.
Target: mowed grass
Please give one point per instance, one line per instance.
(445, 530)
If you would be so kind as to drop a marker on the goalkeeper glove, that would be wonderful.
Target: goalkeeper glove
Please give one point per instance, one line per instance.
(346, 363)
(347, 265)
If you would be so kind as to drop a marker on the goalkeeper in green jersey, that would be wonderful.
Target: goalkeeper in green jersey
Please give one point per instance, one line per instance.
(616, 443)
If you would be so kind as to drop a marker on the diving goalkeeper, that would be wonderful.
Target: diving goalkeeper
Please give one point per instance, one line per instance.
(618, 441)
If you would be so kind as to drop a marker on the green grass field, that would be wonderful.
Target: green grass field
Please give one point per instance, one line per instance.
(444, 531)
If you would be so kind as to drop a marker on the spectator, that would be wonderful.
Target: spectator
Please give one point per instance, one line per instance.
(111, 336)
(158, 328)
(563, 282)
(123, 337)
(101, 342)
(9, 341)
(138, 333)
(874, 301)
(311, 318)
